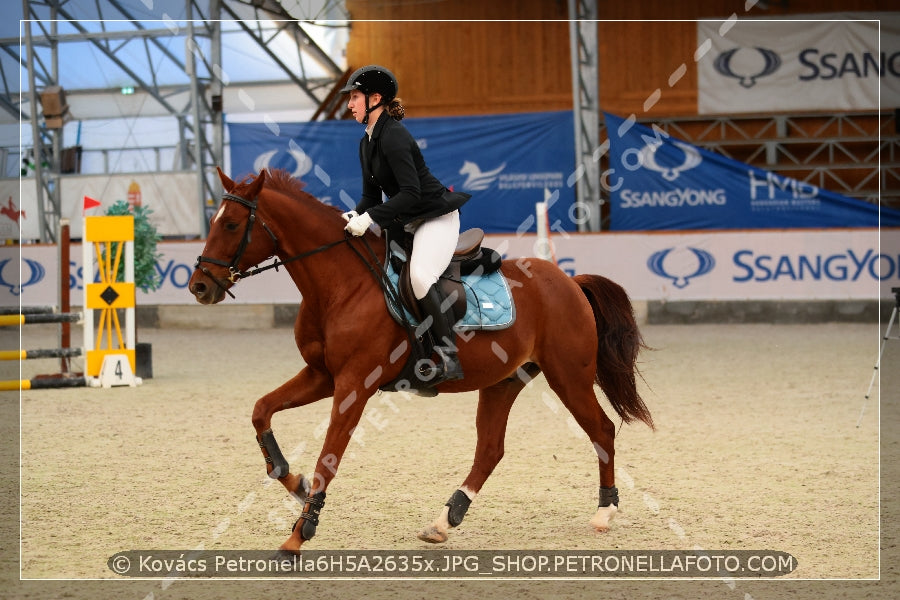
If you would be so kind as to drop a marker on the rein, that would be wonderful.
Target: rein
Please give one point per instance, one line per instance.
(277, 263)
(369, 258)
(235, 274)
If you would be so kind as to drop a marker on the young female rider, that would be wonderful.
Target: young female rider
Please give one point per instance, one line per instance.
(392, 163)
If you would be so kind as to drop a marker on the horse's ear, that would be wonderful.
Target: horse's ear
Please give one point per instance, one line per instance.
(257, 184)
(227, 183)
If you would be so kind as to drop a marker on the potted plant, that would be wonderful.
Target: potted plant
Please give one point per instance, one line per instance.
(146, 276)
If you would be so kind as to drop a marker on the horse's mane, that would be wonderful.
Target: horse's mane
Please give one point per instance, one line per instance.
(280, 180)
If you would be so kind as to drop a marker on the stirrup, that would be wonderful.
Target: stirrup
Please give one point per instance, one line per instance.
(449, 369)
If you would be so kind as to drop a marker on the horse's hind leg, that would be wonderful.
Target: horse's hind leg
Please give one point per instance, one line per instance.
(576, 391)
(494, 404)
(306, 387)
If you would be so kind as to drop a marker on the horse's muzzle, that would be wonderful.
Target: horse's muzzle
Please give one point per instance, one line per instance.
(204, 292)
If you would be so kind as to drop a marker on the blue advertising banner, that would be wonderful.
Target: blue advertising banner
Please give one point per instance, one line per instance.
(658, 182)
(505, 161)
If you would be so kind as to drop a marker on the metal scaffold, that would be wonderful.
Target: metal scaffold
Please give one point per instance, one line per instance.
(586, 111)
(189, 44)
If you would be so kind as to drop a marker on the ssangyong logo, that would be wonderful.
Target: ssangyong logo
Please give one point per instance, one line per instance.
(670, 159)
(683, 270)
(302, 163)
(35, 274)
(747, 64)
(669, 173)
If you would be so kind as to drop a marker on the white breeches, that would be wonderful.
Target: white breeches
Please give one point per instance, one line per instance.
(433, 245)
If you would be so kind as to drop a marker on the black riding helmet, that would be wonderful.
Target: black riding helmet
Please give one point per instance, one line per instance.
(369, 80)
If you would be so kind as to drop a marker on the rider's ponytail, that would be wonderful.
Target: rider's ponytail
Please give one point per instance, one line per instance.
(395, 109)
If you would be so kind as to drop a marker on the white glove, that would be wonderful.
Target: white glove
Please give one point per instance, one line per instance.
(349, 215)
(359, 224)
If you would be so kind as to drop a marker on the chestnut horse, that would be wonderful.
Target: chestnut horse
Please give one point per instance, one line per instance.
(577, 330)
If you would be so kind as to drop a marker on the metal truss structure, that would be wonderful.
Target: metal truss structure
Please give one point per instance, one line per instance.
(586, 111)
(853, 154)
(856, 155)
(195, 102)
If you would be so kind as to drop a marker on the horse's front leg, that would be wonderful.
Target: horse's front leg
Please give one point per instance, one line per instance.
(345, 415)
(308, 386)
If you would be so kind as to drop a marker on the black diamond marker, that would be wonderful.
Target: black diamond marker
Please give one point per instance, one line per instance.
(109, 295)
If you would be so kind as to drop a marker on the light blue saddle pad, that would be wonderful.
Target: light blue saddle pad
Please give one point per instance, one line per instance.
(489, 303)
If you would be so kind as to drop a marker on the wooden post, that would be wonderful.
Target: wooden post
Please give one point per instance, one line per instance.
(65, 328)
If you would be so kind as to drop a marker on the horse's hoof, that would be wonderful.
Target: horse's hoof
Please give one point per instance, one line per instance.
(603, 516)
(282, 554)
(433, 535)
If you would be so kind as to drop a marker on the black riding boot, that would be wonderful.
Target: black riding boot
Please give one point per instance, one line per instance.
(443, 335)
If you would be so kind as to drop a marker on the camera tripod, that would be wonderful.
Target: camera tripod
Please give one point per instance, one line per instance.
(887, 335)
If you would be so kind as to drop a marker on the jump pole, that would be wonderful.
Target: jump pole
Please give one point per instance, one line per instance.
(107, 365)
(47, 353)
(43, 382)
(47, 314)
(26, 319)
(27, 310)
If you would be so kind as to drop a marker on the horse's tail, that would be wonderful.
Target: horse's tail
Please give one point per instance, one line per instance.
(618, 344)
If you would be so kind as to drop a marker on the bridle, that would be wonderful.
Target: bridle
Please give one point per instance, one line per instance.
(234, 272)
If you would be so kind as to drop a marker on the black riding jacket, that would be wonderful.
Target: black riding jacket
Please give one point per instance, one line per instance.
(393, 163)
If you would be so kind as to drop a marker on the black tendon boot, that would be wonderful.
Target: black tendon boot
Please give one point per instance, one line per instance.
(443, 335)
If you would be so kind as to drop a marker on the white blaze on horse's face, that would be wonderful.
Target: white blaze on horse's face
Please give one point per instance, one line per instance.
(219, 214)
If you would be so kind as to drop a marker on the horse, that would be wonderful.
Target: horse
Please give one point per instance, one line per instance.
(578, 331)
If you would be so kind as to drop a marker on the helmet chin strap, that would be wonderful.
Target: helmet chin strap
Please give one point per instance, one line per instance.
(369, 109)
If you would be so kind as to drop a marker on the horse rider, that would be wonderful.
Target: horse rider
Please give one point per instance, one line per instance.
(392, 163)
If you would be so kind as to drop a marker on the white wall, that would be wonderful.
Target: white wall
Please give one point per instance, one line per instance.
(746, 265)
